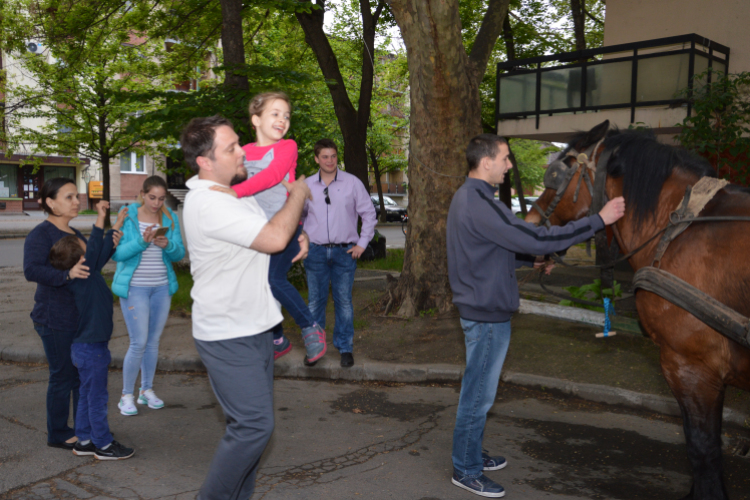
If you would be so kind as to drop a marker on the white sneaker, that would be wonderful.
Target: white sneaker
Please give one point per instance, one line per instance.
(127, 405)
(148, 397)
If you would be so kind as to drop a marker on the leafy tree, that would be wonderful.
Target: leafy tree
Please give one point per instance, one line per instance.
(531, 157)
(387, 132)
(353, 121)
(445, 73)
(77, 100)
(719, 126)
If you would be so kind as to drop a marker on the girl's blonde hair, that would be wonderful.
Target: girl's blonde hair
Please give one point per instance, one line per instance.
(148, 185)
(260, 101)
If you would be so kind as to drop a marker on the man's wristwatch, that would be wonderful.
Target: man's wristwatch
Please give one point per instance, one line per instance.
(67, 277)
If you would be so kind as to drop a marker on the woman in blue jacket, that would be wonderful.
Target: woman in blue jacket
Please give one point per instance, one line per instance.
(145, 283)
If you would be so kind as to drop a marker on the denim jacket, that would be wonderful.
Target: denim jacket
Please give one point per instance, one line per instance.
(129, 251)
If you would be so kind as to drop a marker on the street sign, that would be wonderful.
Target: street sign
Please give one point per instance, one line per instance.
(96, 189)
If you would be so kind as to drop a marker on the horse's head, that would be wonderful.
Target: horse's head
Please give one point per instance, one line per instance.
(569, 180)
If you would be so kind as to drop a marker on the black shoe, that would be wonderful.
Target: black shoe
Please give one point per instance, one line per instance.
(63, 445)
(83, 450)
(116, 451)
(347, 359)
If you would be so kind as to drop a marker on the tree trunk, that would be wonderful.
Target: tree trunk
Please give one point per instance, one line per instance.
(510, 49)
(445, 114)
(233, 45)
(378, 186)
(352, 122)
(579, 19)
(510, 44)
(104, 157)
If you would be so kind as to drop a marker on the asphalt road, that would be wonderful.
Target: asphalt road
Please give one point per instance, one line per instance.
(349, 441)
(11, 252)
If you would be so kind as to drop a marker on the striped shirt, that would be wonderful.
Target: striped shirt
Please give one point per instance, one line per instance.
(151, 271)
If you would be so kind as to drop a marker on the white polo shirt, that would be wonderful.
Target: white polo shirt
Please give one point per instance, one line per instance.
(231, 294)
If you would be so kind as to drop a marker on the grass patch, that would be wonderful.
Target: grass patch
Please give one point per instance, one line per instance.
(87, 212)
(181, 300)
(394, 261)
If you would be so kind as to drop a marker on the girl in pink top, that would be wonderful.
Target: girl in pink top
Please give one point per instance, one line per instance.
(269, 161)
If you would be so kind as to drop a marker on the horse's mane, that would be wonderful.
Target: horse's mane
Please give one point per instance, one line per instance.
(645, 164)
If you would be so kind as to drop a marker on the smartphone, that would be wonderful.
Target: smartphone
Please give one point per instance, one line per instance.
(162, 231)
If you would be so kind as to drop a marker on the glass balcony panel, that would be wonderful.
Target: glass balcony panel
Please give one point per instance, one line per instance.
(701, 65)
(561, 88)
(720, 67)
(609, 84)
(517, 93)
(660, 78)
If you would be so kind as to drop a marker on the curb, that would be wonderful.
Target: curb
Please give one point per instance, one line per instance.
(369, 370)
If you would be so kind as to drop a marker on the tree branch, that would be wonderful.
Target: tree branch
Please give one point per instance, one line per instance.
(492, 27)
(312, 25)
(586, 11)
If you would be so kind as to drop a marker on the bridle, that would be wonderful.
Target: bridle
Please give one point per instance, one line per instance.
(559, 175)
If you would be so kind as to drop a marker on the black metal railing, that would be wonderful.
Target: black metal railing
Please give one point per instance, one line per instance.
(630, 75)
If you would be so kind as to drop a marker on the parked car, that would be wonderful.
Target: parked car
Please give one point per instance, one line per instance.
(393, 211)
(515, 204)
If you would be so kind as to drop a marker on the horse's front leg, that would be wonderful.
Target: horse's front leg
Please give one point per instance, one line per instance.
(700, 395)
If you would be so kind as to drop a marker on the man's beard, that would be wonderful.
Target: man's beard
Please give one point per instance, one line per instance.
(238, 178)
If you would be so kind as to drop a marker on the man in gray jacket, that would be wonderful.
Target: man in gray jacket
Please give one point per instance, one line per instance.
(486, 243)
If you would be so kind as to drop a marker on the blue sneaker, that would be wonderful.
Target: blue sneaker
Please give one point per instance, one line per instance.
(493, 463)
(480, 485)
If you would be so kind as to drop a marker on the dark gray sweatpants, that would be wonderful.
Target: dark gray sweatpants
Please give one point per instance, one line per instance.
(241, 374)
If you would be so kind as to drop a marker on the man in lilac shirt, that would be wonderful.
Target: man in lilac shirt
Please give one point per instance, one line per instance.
(339, 199)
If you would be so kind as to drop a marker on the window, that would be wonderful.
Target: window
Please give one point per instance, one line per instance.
(54, 172)
(132, 163)
(8, 181)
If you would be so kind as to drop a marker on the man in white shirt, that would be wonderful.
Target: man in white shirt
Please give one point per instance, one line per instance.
(229, 240)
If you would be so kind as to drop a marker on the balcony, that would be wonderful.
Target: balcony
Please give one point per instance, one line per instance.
(550, 97)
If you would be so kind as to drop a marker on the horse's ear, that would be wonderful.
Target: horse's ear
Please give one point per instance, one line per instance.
(597, 133)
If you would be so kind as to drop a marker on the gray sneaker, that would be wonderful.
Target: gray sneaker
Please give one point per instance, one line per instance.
(315, 343)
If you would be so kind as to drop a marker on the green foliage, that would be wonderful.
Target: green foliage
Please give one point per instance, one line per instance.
(72, 99)
(592, 292)
(531, 157)
(720, 122)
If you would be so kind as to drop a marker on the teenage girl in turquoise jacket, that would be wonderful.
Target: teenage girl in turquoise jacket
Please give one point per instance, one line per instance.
(145, 283)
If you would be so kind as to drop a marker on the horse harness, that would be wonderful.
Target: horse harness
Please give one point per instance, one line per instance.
(559, 175)
(710, 311)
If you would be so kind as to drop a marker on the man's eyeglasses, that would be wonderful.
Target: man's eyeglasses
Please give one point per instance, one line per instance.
(325, 192)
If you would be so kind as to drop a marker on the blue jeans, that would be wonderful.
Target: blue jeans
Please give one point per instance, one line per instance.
(145, 311)
(282, 290)
(334, 267)
(486, 347)
(63, 382)
(92, 361)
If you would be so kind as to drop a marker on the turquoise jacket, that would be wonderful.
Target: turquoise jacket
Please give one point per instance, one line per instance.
(131, 246)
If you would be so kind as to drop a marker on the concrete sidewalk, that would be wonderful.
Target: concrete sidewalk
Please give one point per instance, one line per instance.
(20, 343)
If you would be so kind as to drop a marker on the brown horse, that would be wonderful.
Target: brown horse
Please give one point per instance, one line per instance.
(697, 362)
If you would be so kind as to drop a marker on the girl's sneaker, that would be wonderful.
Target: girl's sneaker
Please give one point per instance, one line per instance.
(127, 405)
(148, 397)
(281, 346)
(315, 343)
